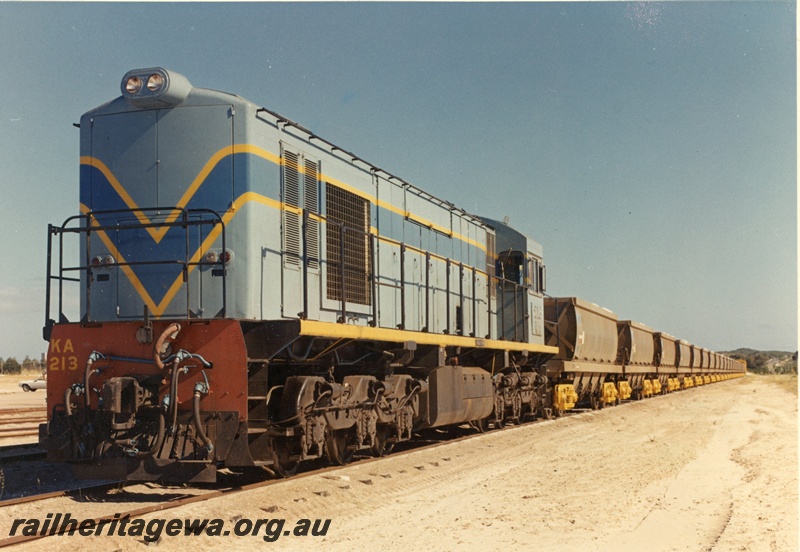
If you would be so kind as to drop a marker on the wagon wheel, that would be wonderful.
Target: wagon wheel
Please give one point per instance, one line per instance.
(482, 425)
(337, 449)
(600, 402)
(593, 400)
(284, 465)
(499, 411)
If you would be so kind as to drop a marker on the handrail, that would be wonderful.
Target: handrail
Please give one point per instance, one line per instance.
(97, 221)
(458, 296)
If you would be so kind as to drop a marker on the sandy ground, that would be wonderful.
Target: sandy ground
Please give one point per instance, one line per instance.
(712, 468)
(12, 395)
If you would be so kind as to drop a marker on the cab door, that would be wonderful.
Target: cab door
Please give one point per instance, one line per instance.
(535, 307)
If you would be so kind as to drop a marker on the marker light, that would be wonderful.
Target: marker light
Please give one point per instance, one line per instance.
(133, 85)
(155, 82)
(210, 257)
(226, 257)
(102, 261)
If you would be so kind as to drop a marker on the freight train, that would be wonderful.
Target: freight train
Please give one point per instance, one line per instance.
(253, 295)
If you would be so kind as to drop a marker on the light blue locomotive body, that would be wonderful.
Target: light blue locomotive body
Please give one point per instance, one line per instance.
(310, 230)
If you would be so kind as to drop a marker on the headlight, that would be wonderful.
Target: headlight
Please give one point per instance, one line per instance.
(155, 82)
(133, 85)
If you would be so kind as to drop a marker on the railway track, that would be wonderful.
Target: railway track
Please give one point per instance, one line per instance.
(237, 484)
(30, 451)
(21, 422)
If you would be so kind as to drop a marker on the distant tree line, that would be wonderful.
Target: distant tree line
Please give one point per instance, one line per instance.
(767, 362)
(12, 366)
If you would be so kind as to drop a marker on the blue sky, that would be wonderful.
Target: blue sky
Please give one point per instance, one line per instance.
(650, 147)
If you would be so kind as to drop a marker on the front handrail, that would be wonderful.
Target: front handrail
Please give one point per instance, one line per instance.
(93, 221)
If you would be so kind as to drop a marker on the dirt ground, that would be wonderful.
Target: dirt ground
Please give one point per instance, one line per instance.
(709, 469)
(12, 395)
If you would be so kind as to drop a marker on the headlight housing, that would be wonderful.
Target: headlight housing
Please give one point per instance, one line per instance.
(154, 87)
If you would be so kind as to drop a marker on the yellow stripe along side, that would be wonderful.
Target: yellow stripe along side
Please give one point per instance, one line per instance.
(349, 331)
(158, 233)
(158, 309)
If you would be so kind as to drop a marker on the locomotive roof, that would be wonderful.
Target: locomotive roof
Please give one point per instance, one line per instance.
(187, 94)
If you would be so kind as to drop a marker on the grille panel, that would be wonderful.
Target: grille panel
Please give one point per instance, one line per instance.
(345, 209)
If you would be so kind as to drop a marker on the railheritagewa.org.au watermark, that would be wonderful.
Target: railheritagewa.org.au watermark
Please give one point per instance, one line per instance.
(270, 530)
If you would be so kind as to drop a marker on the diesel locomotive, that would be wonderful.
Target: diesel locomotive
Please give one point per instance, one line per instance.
(253, 295)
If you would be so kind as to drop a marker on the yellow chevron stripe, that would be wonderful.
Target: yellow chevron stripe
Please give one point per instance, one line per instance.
(158, 233)
(158, 309)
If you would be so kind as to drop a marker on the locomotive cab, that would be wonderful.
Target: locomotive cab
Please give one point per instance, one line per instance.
(520, 286)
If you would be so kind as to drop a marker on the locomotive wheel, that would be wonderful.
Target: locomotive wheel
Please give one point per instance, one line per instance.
(516, 408)
(284, 466)
(336, 447)
(499, 412)
(381, 446)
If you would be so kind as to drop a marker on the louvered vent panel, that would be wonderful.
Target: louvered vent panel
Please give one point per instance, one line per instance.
(311, 205)
(291, 218)
(346, 209)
